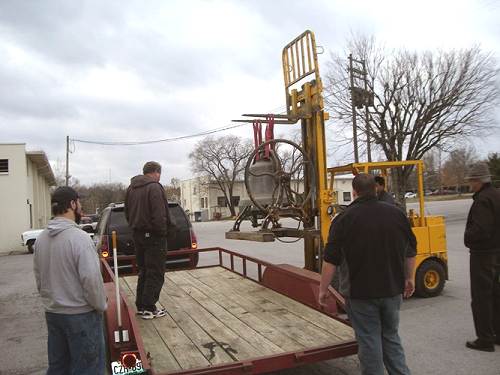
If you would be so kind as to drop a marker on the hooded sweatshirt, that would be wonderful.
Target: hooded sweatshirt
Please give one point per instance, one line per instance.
(146, 206)
(67, 269)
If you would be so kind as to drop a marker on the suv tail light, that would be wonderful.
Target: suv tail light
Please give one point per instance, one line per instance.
(194, 240)
(104, 246)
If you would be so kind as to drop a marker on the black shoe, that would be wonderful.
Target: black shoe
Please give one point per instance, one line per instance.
(479, 345)
(497, 341)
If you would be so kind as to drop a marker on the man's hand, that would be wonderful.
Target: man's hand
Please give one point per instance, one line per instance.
(323, 296)
(409, 288)
(327, 271)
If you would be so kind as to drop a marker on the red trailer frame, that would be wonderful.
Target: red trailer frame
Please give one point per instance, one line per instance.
(296, 283)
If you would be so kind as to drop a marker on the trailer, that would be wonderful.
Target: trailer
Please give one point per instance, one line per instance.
(234, 315)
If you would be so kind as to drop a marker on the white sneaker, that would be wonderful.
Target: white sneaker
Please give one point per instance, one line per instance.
(158, 313)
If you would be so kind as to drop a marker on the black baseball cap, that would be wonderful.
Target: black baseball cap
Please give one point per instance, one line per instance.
(63, 195)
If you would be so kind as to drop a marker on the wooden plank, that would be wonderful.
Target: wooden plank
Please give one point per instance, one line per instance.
(249, 333)
(161, 359)
(183, 349)
(333, 326)
(290, 324)
(204, 343)
(270, 332)
(250, 236)
(235, 346)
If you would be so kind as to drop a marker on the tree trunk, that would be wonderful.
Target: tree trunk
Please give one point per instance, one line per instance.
(399, 186)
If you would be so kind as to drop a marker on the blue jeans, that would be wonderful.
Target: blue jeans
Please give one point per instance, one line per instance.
(75, 344)
(375, 323)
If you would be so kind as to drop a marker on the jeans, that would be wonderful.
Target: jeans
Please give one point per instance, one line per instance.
(75, 344)
(150, 255)
(485, 293)
(375, 323)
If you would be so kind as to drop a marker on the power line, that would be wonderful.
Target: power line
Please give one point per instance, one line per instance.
(136, 143)
(173, 139)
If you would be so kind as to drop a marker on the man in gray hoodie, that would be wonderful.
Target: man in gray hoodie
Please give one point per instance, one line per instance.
(69, 281)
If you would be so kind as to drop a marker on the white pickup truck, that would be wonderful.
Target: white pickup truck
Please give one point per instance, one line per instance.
(29, 237)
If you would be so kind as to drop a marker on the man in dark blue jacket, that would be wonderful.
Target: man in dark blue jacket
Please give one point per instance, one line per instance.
(482, 237)
(375, 244)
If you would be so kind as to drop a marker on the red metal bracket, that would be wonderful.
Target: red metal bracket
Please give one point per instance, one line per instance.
(257, 137)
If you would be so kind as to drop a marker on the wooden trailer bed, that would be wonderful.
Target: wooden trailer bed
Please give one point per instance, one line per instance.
(216, 316)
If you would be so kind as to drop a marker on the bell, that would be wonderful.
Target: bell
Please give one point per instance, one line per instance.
(262, 185)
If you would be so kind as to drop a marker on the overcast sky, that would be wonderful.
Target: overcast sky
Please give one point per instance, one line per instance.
(143, 70)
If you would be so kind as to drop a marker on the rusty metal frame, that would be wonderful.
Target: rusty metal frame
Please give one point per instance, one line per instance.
(305, 288)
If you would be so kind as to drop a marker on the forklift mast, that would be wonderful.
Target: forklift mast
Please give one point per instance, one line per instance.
(300, 61)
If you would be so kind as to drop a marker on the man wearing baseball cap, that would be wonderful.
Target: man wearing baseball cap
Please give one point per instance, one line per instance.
(69, 281)
(482, 237)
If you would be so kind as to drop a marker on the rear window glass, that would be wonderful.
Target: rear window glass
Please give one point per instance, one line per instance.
(178, 216)
(118, 219)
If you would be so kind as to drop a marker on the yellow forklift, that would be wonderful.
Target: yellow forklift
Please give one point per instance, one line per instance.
(288, 182)
(430, 230)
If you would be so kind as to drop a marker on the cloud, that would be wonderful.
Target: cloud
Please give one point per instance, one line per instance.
(135, 70)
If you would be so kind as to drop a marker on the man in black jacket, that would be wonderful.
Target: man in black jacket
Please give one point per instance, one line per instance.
(146, 210)
(482, 237)
(376, 244)
(382, 194)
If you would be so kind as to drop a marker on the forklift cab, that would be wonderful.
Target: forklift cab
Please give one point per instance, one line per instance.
(430, 231)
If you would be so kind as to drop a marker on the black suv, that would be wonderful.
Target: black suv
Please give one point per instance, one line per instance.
(113, 219)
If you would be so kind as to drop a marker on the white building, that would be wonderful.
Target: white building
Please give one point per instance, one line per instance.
(25, 179)
(204, 201)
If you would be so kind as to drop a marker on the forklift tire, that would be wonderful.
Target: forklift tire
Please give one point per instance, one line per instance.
(430, 279)
(31, 246)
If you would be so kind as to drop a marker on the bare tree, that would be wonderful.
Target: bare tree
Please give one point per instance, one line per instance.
(98, 196)
(494, 165)
(222, 160)
(173, 190)
(455, 167)
(421, 99)
(432, 170)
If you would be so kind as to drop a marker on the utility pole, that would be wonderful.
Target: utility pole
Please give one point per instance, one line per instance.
(354, 126)
(360, 97)
(67, 160)
(367, 117)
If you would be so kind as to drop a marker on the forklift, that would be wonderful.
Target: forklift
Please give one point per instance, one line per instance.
(430, 230)
(290, 180)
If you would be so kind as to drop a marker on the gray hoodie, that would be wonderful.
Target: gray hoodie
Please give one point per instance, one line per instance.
(67, 269)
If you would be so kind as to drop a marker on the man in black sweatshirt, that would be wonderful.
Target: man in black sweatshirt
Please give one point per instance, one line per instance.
(146, 210)
(375, 244)
(482, 237)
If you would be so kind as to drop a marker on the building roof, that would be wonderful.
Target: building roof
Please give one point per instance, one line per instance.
(39, 158)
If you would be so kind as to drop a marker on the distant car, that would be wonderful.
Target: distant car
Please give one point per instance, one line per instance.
(29, 237)
(410, 195)
(89, 223)
(113, 219)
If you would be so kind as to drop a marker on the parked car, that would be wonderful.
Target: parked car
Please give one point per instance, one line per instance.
(410, 195)
(113, 219)
(29, 237)
(89, 223)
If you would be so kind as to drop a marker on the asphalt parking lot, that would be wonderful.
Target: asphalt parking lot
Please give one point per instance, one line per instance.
(434, 330)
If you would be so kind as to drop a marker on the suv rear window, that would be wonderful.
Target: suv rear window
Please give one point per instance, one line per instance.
(178, 216)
